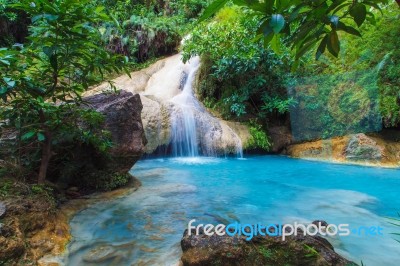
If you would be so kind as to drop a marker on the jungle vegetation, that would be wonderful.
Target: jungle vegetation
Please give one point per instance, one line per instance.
(253, 55)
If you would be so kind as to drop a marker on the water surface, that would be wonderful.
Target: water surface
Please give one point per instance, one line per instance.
(145, 227)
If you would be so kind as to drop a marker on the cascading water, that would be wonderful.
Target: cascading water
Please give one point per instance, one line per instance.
(183, 122)
(175, 122)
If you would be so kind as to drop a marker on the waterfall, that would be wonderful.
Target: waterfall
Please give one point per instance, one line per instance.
(175, 122)
(183, 123)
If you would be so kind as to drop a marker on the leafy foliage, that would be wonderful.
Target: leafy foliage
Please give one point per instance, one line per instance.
(259, 139)
(304, 24)
(376, 51)
(41, 82)
(242, 77)
(143, 30)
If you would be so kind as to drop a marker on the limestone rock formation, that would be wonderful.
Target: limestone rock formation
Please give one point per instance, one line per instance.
(375, 149)
(161, 88)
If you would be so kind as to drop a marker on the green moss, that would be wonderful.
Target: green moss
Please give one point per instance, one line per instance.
(267, 253)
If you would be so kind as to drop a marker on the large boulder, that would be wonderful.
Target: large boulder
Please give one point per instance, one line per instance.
(87, 169)
(266, 250)
(122, 113)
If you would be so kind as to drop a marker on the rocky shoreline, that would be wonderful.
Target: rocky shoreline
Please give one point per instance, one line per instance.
(375, 150)
(35, 231)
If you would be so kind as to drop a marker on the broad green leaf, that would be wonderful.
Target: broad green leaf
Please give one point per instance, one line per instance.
(40, 136)
(5, 62)
(322, 46)
(277, 23)
(213, 8)
(268, 39)
(276, 44)
(28, 135)
(333, 43)
(348, 29)
(305, 47)
(359, 13)
(282, 4)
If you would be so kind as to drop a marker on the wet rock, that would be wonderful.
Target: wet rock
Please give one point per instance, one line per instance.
(320, 222)
(361, 147)
(3, 209)
(260, 250)
(100, 254)
(49, 260)
(158, 85)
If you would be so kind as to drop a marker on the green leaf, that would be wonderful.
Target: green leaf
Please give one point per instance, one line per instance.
(305, 47)
(359, 13)
(276, 44)
(213, 8)
(277, 23)
(348, 29)
(47, 17)
(5, 62)
(322, 46)
(295, 65)
(28, 135)
(334, 44)
(40, 136)
(268, 39)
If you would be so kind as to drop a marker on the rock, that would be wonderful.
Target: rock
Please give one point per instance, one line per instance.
(260, 250)
(122, 113)
(280, 136)
(380, 149)
(361, 147)
(89, 170)
(2, 209)
(100, 254)
(11, 241)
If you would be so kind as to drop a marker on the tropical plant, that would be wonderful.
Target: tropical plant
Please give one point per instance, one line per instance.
(242, 76)
(304, 24)
(41, 82)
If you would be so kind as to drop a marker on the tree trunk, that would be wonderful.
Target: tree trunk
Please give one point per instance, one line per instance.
(46, 150)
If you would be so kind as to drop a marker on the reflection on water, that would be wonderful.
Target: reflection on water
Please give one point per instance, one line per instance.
(145, 227)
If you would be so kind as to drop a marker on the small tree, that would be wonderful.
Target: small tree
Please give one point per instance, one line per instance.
(41, 82)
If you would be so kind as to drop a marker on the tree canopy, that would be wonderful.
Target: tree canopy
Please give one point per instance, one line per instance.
(304, 24)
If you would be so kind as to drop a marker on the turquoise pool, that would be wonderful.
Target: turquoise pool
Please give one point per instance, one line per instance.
(145, 227)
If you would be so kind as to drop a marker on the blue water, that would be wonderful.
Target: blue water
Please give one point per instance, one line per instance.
(145, 227)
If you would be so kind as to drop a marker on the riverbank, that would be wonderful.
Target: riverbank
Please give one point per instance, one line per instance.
(376, 149)
(34, 228)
